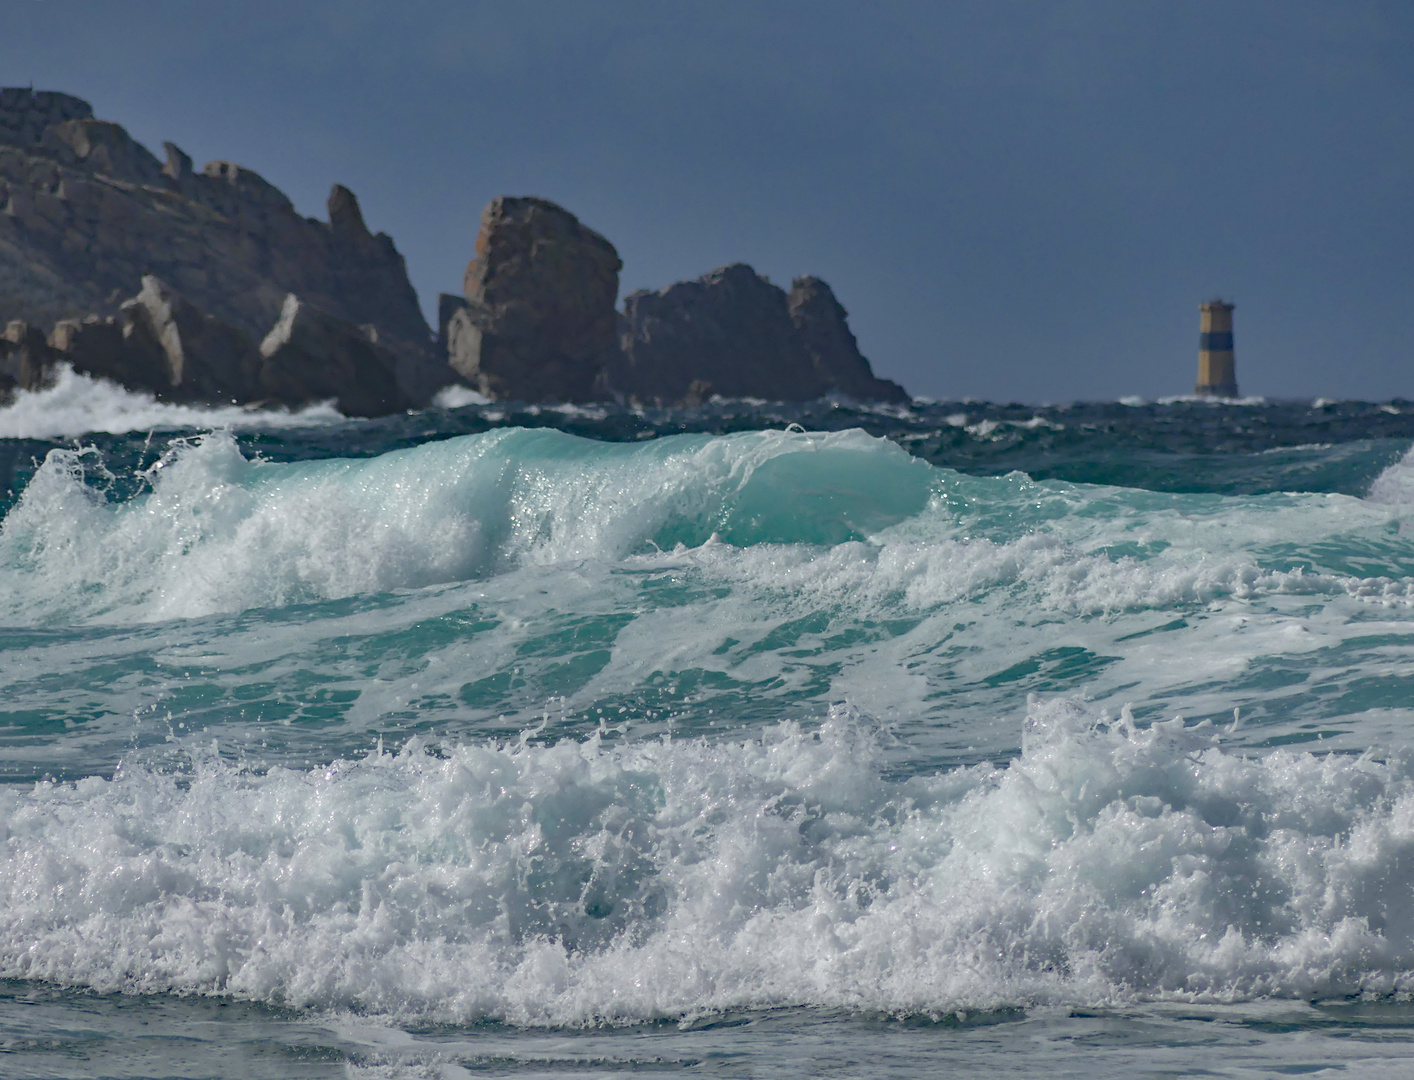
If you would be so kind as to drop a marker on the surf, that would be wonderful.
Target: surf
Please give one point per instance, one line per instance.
(599, 880)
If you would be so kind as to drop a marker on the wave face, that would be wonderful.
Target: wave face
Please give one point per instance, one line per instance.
(460, 716)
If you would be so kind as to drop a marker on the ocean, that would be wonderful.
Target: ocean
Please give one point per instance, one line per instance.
(748, 740)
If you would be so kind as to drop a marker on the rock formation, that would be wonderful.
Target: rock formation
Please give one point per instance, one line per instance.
(162, 343)
(539, 321)
(111, 348)
(208, 260)
(447, 307)
(26, 360)
(823, 326)
(205, 358)
(312, 356)
(86, 212)
(728, 332)
(538, 324)
(734, 334)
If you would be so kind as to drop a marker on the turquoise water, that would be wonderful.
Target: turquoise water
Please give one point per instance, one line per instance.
(749, 740)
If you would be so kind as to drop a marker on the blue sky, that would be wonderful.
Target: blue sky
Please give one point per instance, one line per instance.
(1015, 201)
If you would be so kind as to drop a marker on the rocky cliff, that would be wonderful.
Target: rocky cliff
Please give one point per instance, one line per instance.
(733, 333)
(86, 212)
(823, 326)
(159, 342)
(538, 321)
(728, 332)
(162, 343)
(164, 279)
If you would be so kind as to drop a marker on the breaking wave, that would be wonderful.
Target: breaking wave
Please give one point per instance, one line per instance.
(79, 405)
(590, 881)
(214, 531)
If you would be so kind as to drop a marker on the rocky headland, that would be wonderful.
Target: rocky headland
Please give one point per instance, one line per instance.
(208, 286)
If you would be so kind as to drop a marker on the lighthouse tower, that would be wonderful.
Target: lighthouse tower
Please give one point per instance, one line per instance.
(1217, 371)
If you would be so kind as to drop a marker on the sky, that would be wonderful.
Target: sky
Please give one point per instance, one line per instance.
(1016, 201)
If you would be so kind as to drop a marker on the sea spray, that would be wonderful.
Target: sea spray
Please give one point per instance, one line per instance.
(77, 404)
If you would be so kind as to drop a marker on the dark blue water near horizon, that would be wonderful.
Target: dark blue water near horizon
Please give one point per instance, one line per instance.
(746, 740)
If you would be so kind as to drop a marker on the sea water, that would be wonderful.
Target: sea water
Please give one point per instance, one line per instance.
(749, 740)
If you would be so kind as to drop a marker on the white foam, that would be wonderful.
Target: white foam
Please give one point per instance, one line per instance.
(988, 429)
(1211, 399)
(583, 882)
(77, 405)
(1395, 484)
(457, 396)
(1039, 570)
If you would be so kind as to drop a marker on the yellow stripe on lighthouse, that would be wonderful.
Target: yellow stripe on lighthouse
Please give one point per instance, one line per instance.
(1217, 370)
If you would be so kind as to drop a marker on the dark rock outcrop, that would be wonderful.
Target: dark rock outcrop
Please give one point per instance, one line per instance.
(823, 326)
(447, 307)
(728, 332)
(26, 360)
(312, 356)
(120, 349)
(162, 343)
(25, 114)
(734, 334)
(86, 212)
(206, 359)
(539, 320)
